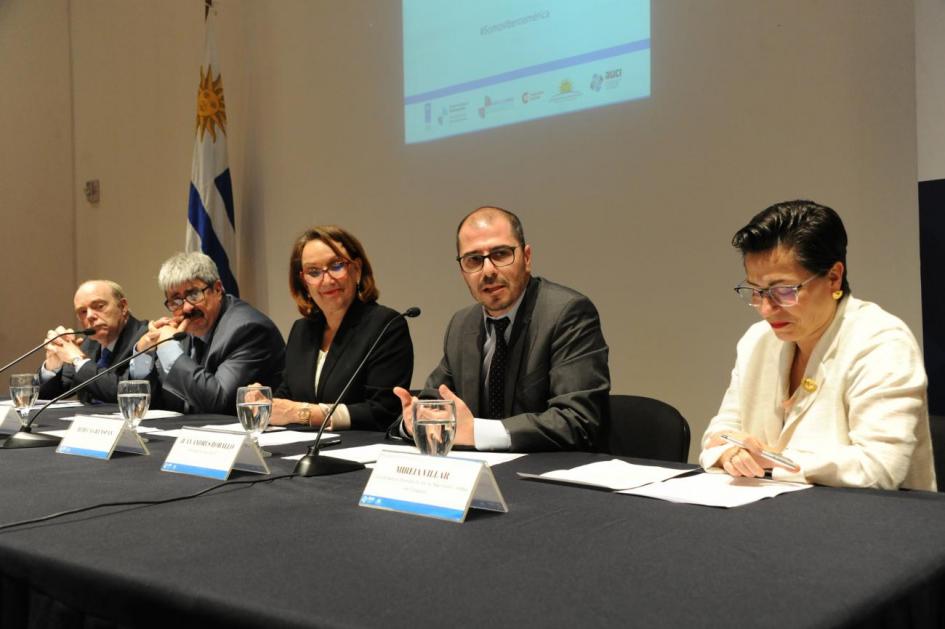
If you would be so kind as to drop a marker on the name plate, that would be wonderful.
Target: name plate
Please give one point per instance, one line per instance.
(432, 486)
(9, 419)
(214, 454)
(100, 437)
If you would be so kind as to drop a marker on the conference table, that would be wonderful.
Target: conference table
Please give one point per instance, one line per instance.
(301, 552)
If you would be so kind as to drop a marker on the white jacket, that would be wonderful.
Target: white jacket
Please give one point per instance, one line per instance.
(860, 418)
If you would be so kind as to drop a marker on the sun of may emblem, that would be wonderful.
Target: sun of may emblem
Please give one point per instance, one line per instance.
(211, 110)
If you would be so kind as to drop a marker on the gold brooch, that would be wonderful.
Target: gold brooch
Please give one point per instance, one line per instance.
(809, 385)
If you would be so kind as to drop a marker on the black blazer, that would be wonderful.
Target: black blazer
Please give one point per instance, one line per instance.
(370, 400)
(105, 389)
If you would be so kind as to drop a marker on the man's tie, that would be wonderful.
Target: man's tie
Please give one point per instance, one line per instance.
(198, 348)
(104, 359)
(497, 369)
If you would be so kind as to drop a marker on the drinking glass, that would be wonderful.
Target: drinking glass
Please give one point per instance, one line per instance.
(134, 398)
(253, 407)
(24, 389)
(434, 426)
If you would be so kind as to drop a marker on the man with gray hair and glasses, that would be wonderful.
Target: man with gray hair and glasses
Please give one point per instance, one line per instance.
(229, 343)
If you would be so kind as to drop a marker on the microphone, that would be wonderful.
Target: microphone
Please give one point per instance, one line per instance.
(85, 332)
(313, 465)
(26, 439)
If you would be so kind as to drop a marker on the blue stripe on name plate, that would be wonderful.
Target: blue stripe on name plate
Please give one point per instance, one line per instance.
(379, 502)
(193, 470)
(95, 454)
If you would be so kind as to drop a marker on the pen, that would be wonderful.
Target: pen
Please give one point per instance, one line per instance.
(774, 457)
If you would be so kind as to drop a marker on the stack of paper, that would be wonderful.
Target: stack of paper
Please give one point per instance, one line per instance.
(614, 474)
(716, 490)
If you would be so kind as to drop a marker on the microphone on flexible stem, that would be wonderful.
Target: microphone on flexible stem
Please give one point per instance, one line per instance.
(26, 439)
(314, 465)
(85, 332)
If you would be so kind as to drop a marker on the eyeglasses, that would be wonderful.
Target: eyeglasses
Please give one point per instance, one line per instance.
(500, 256)
(192, 296)
(784, 296)
(337, 269)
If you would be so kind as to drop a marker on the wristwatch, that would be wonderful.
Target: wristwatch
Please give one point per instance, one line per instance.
(304, 414)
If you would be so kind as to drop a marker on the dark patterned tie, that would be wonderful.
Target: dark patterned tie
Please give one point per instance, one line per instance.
(104, 359)
(198, 349)
(497, 369)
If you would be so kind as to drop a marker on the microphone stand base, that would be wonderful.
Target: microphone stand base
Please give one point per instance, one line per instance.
(314, 465)
(29, 440)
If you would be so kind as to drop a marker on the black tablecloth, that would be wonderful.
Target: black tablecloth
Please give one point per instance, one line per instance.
(300, 552)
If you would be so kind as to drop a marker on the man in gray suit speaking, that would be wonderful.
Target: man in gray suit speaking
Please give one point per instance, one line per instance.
(527, 366)
(229, 344)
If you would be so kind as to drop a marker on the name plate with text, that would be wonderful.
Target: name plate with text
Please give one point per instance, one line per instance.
(9, 419)
(432, 486)
(100, 437)
(214, 454)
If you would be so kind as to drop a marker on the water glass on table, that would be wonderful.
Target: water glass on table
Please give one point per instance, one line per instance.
(134, 399)
(434, 426)
(24, 389)
(254, 407)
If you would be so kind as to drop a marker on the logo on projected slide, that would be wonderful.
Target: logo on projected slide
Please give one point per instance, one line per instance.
(490, 106)
(566, 92)
(612, 78)
(596, 81)
(211, 110)
(530, 97)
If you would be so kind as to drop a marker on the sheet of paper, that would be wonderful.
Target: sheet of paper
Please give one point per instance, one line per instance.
(155, 414)
(715, 490)
(369, 454)
(274, 435)
(613, 474)
(55, 433)
(284, 437)
(61, 404)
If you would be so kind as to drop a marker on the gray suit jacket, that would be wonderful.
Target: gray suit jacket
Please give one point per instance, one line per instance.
(245, 346)
(557, 379)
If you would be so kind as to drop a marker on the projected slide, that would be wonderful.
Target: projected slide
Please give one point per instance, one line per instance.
(471, 65)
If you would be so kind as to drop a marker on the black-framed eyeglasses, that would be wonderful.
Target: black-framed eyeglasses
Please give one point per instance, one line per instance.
(499, 256)
(337, 269)
(784, 296)
(193, 296)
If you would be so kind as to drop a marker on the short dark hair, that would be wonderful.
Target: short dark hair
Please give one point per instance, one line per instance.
(333, 236)
(812, 231)
(517, 230)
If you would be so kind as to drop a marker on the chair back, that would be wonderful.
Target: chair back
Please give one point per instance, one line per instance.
(937, 428)
(647, 428)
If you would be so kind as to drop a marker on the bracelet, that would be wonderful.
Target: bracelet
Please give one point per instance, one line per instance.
(304, 414)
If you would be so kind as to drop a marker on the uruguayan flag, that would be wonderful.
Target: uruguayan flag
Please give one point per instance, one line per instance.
(210, 214)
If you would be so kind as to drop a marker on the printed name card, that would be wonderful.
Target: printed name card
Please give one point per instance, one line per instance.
(432, 486)
(9, 419)
(214, 454)
(100, 437)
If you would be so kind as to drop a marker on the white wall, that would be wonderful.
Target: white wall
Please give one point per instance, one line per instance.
(930, 87)
(37, 254)
(753, 102)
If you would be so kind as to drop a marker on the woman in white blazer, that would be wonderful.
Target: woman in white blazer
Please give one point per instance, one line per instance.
(834, 384)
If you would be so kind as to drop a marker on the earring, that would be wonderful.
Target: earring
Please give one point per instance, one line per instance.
(837, 294)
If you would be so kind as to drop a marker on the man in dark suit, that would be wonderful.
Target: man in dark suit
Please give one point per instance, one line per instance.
(527, 366)
(229, 344)
(99, 304)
